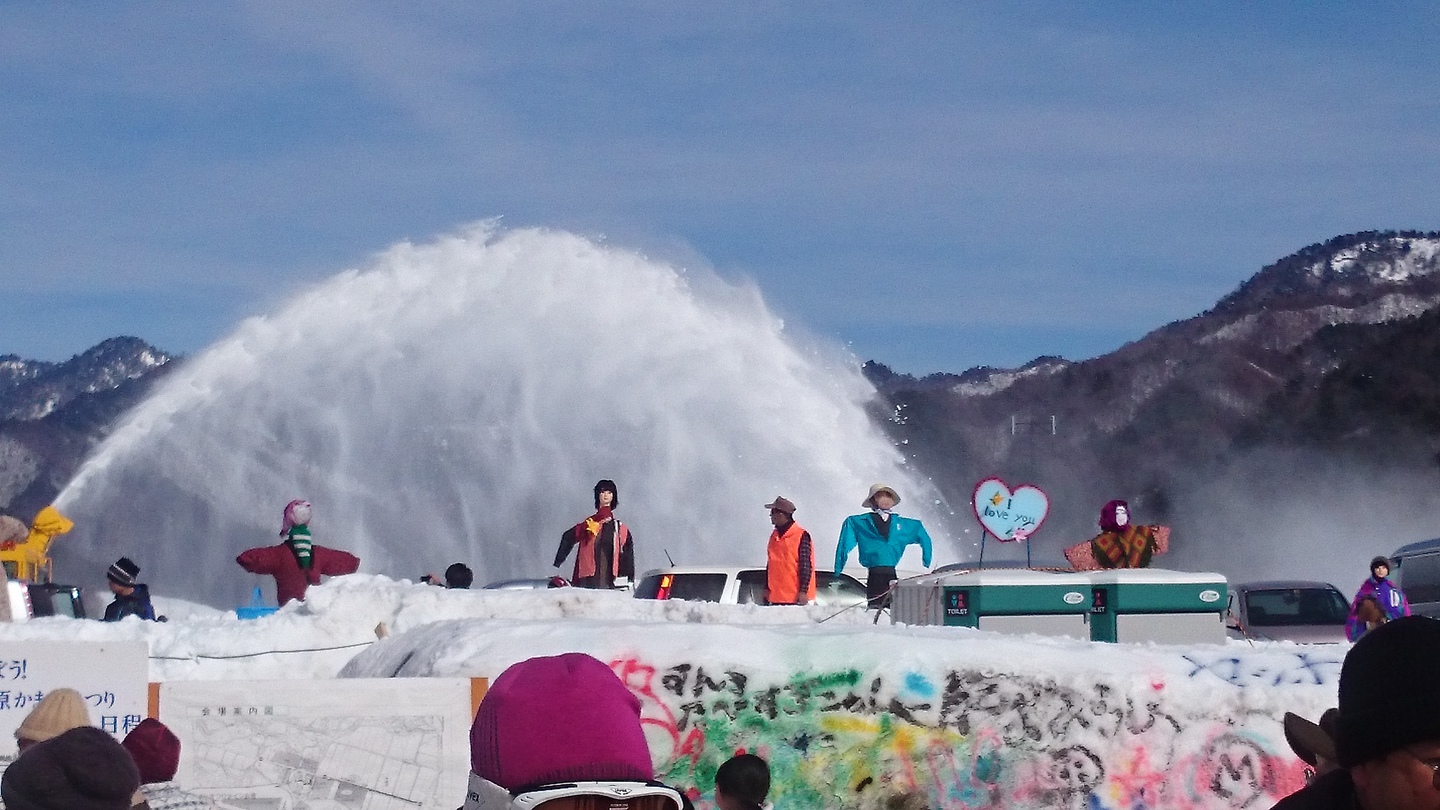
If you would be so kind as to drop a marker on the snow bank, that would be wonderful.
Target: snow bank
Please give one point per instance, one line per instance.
(847, 712)
(341, 617)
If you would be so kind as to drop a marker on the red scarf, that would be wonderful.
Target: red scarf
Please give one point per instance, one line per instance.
(587, 532)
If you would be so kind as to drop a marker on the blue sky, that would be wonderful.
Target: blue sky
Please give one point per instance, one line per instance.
(938, 185)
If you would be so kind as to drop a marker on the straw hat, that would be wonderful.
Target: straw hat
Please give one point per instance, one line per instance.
(869, 502)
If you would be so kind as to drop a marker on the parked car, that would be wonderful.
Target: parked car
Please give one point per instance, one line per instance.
(739, 586)
(1416, 569)
(534, 584)
(1287, 610)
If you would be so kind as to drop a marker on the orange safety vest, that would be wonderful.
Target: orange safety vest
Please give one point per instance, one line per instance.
(782, 568)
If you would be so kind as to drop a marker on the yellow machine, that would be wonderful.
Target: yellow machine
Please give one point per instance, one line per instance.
(29, 559)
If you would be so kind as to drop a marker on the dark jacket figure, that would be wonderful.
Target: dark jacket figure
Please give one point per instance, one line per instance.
(606, 548)
(131, 597)
(290, 579)
(135, 603)
(82, 769)
(1387, 730)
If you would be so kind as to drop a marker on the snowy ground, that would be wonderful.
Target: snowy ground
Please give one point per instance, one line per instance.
(846, 711)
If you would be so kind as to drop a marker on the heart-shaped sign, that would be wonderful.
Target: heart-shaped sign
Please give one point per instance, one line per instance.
(1010, 515)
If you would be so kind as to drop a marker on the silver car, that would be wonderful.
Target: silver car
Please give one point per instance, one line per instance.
(1287, 610)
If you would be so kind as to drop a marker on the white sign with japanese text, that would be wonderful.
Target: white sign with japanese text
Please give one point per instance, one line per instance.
(112, 676)
(371, 743)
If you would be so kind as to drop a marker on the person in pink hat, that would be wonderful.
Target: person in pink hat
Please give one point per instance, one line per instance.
(559, 727)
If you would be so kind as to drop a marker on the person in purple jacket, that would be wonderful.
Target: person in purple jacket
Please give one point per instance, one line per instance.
(1387, 595)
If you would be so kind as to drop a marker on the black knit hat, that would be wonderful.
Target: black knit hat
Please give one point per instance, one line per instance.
(123, 572)
(1390, 690)
(606, 485)
(1377, 562)
(82, 769)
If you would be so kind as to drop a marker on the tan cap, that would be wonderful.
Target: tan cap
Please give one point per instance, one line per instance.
(58, 712)
(783, 504)
(869, 502)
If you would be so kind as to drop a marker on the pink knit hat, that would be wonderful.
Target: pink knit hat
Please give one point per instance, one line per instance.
(558, 719)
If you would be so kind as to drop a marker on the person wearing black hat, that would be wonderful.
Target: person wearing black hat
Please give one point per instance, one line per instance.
(605, 548)
(789, 558)
(1314, 743)
(131, 598)
(459, 576)
(1386, 594)
(1387, 734)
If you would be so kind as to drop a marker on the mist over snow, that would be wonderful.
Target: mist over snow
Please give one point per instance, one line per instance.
(1300, 514)
(458, 399)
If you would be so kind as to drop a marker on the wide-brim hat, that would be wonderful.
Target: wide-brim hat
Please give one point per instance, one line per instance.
(869, 502)
(1311, 741)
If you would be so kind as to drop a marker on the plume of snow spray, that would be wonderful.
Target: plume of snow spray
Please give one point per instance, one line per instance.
(457, 400)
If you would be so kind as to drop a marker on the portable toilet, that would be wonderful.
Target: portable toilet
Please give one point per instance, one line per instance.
(1157, 605)
(1001, 600)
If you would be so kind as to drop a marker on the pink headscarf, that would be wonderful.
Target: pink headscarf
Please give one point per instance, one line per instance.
(1107, 517)
(290, 521)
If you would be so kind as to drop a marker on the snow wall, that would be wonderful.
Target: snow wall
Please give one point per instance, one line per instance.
(851, 715)
(458, 400)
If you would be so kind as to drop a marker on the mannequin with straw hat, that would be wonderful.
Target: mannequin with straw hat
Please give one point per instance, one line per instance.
(882, 536)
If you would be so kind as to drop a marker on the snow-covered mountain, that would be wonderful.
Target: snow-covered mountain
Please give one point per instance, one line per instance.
(1258, 394)
(52, 414)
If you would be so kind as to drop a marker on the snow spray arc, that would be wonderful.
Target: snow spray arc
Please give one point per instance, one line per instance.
(847, 739)
(458, 400)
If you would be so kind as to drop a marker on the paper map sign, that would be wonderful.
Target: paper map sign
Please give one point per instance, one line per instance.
(375, 744)
(112, 677)
(1010, 515)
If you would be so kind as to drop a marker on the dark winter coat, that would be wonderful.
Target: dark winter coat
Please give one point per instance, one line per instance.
(82, 769)
(1332, 791)
(136, 604)
(290, 579)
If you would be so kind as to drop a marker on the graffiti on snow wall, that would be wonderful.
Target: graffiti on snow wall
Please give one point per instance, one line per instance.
(965, 739)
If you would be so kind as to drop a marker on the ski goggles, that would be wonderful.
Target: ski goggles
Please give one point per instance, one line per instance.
(483, 794)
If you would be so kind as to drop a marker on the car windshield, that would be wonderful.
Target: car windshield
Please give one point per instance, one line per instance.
(1294, 606)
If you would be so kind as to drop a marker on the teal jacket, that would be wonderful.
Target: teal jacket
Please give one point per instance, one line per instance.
(876, 550)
